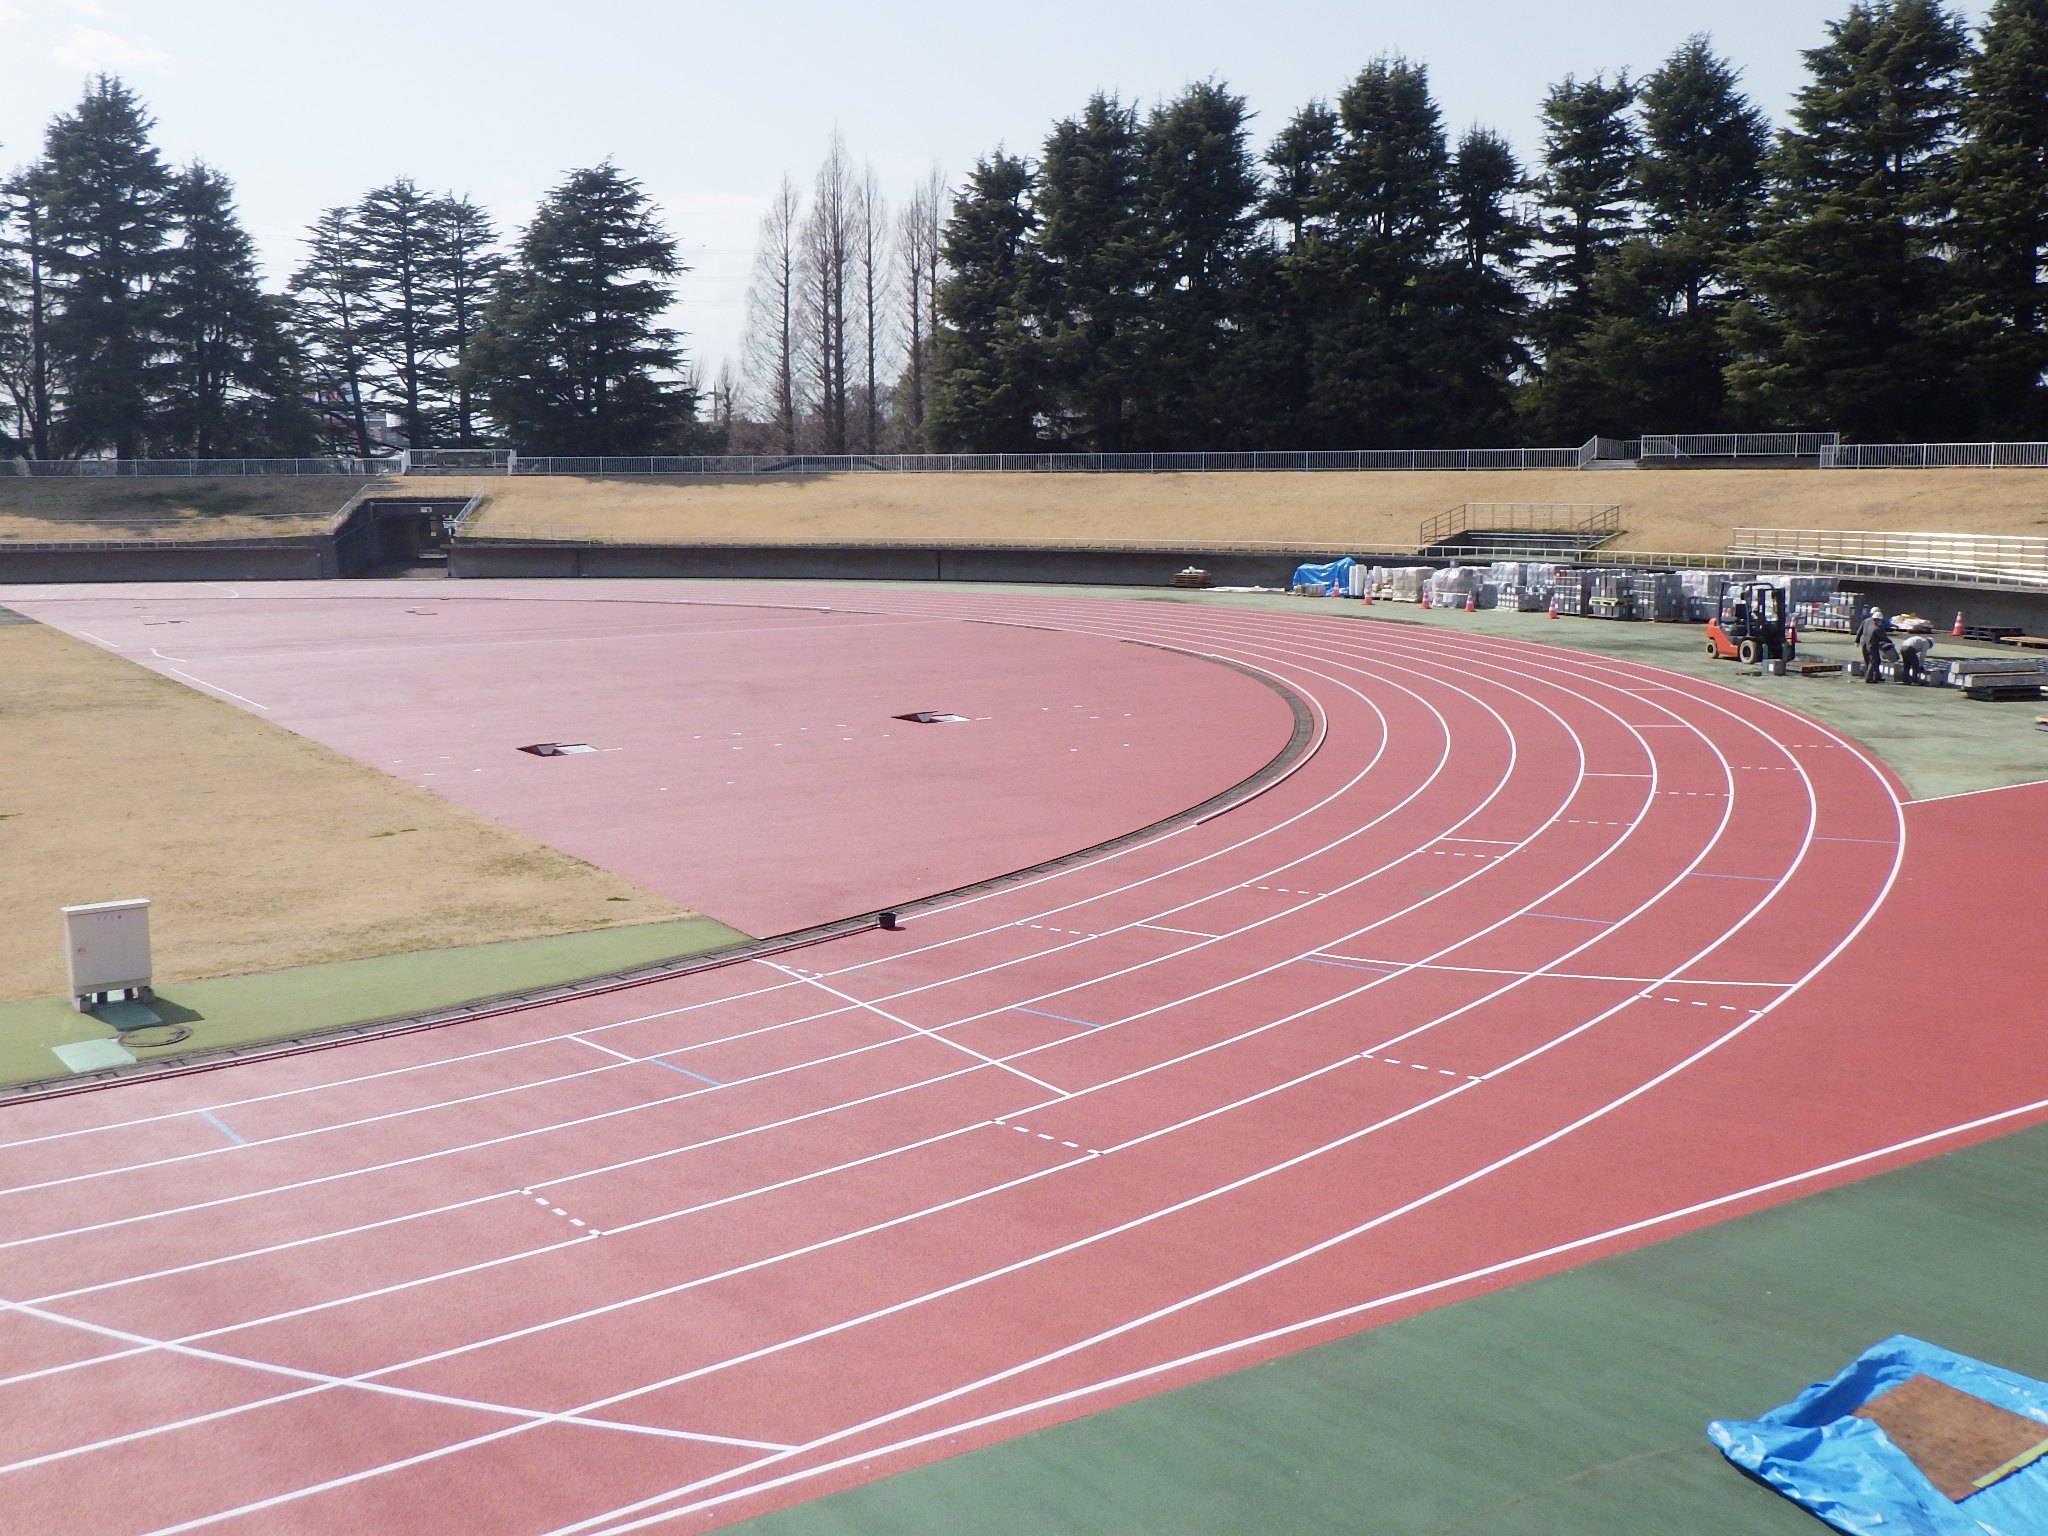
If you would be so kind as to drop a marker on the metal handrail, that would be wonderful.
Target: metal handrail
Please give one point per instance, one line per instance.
(1523, 517)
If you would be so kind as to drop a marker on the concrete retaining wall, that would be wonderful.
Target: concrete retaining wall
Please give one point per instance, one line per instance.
(309, 561)
(1978, 605)
(1093, 567)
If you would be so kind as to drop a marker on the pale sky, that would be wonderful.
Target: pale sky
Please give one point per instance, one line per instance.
(309, 106)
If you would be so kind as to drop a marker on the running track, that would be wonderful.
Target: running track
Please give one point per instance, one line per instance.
(1533, 957)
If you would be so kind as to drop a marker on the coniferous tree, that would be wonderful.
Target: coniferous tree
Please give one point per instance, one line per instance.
(106, 200)
(1476, 345)
(987, 387)
(461, 268)
(1587, 193)
(26, 300)
(1365, 266)
(1651, 356)
(1997, 323)
(332, 311)
(571, 357)
(227, 382)
(1198, 196)
(1848, 274)
(395, 229)
(1087, 285)
(1277, 319)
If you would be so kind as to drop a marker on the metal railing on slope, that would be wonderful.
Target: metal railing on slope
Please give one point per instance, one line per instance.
(1523, 516)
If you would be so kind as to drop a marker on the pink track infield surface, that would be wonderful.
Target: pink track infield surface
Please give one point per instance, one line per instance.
(1535, 956)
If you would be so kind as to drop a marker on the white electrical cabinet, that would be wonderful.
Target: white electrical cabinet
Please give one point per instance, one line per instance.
(107, 944)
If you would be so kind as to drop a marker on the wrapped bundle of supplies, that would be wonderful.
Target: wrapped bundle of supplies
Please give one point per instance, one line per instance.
(1449, 587)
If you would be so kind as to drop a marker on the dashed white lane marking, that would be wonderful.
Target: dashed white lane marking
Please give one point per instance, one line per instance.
(1049, 928)
(1696, 794)
(1459, 853)
(553, 1209)
(1282, 890)
(1568, 821)
(1047, 1136)
(1695, 1003)
(1416, 1066)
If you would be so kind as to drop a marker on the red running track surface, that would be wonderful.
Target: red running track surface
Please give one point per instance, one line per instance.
(1534, 957)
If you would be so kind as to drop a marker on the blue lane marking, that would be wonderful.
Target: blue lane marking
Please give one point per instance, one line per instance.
(714, 1082)
(1882, 842)
(1060, 1016)
(226, 1130)
(1349, 965)
(1767, 879)
(1604, 922)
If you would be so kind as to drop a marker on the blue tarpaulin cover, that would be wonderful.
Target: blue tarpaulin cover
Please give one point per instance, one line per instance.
(1336, 576)
(1848, 1471)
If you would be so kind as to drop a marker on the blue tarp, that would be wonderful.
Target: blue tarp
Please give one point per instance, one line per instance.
(1847, 1471)
(1335, 578)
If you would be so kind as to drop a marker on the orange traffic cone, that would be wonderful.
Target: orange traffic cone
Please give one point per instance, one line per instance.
(1425, 596)
(1365, 597)
(1471, 603)
(1957, 628)
(1553, 609)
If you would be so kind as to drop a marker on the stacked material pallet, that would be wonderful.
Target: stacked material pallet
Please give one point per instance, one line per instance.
(1610, 594)
(1451, 586)
(1991, 677)
(1659, 597)
(1703, 592)
(1523, 585)
(1839, 613)
(1571, 590)
(1400, 583)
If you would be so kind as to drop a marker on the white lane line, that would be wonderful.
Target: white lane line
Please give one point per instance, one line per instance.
(323, 1382)
(902, 1023)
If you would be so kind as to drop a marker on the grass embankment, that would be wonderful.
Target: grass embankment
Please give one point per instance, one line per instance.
(45, 511)
(1694, 510)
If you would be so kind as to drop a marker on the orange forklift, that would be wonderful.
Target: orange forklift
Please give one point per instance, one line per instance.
(1750, 627)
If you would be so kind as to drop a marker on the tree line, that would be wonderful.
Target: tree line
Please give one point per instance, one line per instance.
(1148, 281)
(134, 323)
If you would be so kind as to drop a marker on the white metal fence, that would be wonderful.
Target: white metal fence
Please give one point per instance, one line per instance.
(1936, 456)
(145, 469)
(1824, 447)
(1056, 463)
(1738, 445)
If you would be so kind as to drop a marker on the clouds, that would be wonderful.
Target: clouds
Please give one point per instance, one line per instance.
(92, 49)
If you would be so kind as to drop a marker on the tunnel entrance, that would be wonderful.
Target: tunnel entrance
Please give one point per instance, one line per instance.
(388, 536)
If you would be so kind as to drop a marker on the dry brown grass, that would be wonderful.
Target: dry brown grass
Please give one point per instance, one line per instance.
(1691, 510)
(34, 509)
(259, 848)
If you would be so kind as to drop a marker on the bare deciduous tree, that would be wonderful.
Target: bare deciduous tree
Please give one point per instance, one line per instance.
(829, 246)
(774, 305)
(918, 259)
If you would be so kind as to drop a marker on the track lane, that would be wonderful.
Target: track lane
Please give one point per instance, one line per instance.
(1296, 923)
